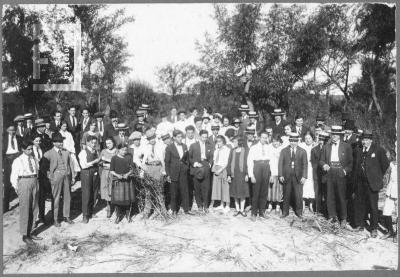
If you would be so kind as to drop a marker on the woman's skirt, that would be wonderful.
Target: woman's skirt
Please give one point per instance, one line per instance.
(275, 191)
(390, 207)
(220, 189)
(308, 188)
(123, 192)
(239, 188)
(105, 184)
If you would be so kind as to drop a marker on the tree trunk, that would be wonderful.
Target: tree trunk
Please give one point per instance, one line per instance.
(247, 96)
(373, 86)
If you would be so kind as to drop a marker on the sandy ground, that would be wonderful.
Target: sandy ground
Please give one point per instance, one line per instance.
(216, 242)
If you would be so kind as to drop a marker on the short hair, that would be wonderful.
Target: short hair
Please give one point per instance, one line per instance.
(189, 128)
(34, 136)
(230, 133)
(56, 112)
(203, 132)
(192, 109)
(287, 123)
(309, 133)
(299, 116)
(181, 111)
(71, 106)
(277, 137)
(111, 139)
(121, 145)
(90, 138)
(197, 119)
(263, 133)
(226, 118)
(222, 138)
(175, 133)
(26, 143)
(240, 140)
(63, 122)
(85, 109)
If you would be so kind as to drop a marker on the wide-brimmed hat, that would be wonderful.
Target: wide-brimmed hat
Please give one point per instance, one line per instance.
(253, 114)
(57, 137)
(336, 130)
(278, 111)
(19, 118)
(165, 136)
(11, 129)
(144, 107)
(215, 127)
(367, 135)
(39, 122)
(135, 136)
(122, 126)
(244, 108)
(28, 116)
(323, 135)
(98, 114)
(250, 131)
(294, 137)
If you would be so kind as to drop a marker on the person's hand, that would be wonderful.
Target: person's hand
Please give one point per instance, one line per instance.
(197, 164)
(302, 180)
(253, 180)
(229, 179)
(326, 167)
(282, 179)
(246, 178)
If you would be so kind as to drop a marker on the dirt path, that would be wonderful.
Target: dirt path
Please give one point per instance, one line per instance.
(215, 242)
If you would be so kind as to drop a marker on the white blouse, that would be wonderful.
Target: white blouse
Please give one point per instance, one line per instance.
(222, 154)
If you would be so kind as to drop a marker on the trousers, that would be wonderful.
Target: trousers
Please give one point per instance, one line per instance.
(292, 187)
(336, 193)
(179, 191)
(61, 185)
(366, 199)
(262, 174)
(28, 190)
(202, 187)
(90, 183)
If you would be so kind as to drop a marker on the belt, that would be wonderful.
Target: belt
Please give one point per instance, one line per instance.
(336, 164)
(261, 162)
(154, 163)
(13, 154)
(28, 176)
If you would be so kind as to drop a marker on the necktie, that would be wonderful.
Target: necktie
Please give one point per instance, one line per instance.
(334, 143)
(293, 153)
(73, 121)
(101, 127)
(59, 152)
(30, 165)
(12, 142)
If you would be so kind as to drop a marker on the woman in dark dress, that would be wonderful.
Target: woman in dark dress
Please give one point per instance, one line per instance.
(237, 175)
(123, 188)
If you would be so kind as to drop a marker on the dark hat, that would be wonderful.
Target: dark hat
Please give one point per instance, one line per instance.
(349, 125)
(28, 116)
(244, 108)
(236, 120)
(166, 136)
(253, 114)
(294, 137)
(336, 130)
(278, 111)
(40, 122)
(98, 114)
(250, 131)
(367, 135)
(177, 132)
(57, 137)
(19, 118)
(323, 136)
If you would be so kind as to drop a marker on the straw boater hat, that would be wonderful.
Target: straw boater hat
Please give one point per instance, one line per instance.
(278, 111)
(294, 137)
(135, 136)
(236, 121)
(144, 107)
(165, 136)
(323, 135)
(206, 116)
(122, 126)
(139, 113)
(214, 127)
(40, 122)
(11, 129)
(19, 118)
(57, 137)
(250, 131)
(244, 108)
(367, 135)
(28, 116)
(253, 114)
(337, 130)
(99, 114)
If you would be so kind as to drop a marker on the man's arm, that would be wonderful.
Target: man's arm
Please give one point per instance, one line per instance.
(305, 164)
(167, 160)
(15, 169)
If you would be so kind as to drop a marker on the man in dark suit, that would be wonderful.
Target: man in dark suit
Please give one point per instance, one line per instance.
(11, 150)
(176, 167)
(337, 161)
(55, 124)
(200, 159)
(28, 125)
(318, 173)
(371, 165)
(110, 129)
(20, 129)
(299, 128)
(279, 123)
(212, 139)
(85, 121)
(292, 172)
(45, 140)
(73, 127)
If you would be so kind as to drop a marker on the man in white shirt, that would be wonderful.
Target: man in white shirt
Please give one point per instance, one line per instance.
(11, 148)
(164, 126)
(173, 118)
(260, 175)
(181, 123)
(24, 180)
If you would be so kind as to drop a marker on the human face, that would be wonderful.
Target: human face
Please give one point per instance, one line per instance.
(366, 142)
(244, 114)
(92, 127)
(299, 122)
(121, 133)
(58, 144)
(37, 141)
(198, 124)
(335, 138)
(167, 141)
(92, 143)
(226, 122)
(294, 143)
(85, 113)
(235, 143)
(252, 120)
(136, 142)
(41, 129)
(263, 138)
(152, 141)
(11, 132)
(287, 130)
(47, 125)
(57, 117)
(109, 144)
(179, 138)
(99, 119)
(308, 139)
(64, 127)
(28, 150)
(215, 132)
(190, 134)
(182, 116)
(29, 122)
(219, 142)
(206, 120)
(276, 143)
(278, 118)
(72, 111)
(236, 125)
(122, 151)
(173, 112)
(250, 137)
(204, 137)
(194, 113)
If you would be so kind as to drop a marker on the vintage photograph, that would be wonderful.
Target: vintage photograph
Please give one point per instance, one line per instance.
(199, 137)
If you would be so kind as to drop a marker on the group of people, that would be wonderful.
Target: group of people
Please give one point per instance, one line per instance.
(197, 157)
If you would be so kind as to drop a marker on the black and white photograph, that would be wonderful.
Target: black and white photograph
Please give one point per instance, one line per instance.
(199, 137)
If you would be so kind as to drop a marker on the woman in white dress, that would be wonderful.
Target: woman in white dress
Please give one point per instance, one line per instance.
(308, 188)
(69, 145)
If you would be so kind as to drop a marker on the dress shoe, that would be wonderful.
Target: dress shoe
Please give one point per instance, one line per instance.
(57, 224)
(359, 229)
(34, 237)
(68, 220)
(388, 235)
(27, 240)
(85, 219)
(206, 210)
(374, 233)
(237, 213)
(244, 214)
(253, 218)
(189, 213)
(284, 215)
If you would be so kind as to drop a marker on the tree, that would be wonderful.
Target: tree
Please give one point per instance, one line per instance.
(175, 77)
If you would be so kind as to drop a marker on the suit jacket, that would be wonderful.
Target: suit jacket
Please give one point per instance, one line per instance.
(53, 126)
(376, 164)
(318, 173)
(300, 163)
(304, 130)
(118, 140)
(345, 156)
(278, 129)
(5, 144)
(85, 128)
(28, 132)
(174, 165)
(73, 130)
(195, 155)
(212, 141)
(52, 162)
(46, 142)
(109, 131)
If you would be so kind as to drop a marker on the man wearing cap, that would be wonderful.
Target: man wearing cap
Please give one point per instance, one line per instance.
(244, 119)
(164, 126)
(337, 161)
(110, 130)
(24, 180)
(29, 125)
(176, 167)
(90, 181)
(121, 138)
(61, 174)
(45, 143)
(73, 126)
(55, 124)
(279, 123)
(212, 139)
(370, 166)
(153, 166)
(11, 150)
(19, 120)
(292, 171)
(318, 173)
(200, 159)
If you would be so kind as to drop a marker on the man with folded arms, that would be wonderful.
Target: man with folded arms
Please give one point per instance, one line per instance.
(11, 150)
(24, 179)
